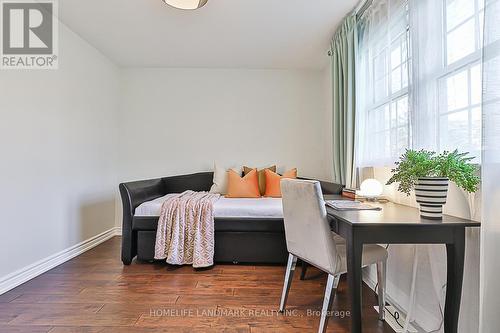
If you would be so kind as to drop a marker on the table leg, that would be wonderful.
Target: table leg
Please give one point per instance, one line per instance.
(304, 270)
(354, 254)
(455, 270)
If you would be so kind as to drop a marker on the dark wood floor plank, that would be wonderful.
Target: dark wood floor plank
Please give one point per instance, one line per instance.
(9, 296)
(135, 329)
(24, 329)
(85, 298)
(74, 319)
(95, 293)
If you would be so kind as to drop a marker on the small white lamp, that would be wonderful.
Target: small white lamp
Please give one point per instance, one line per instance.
(186, 4)
(371, 189)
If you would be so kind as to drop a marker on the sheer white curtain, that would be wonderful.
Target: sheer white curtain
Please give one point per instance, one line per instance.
(419, 78)
(445, 99)
(382, 83)
(427, 54)
(490, 230)
(420, 87)
(446, 74)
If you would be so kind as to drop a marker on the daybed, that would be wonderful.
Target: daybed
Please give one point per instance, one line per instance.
(246, 230)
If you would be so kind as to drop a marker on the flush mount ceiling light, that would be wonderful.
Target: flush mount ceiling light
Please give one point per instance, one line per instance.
(186, 4)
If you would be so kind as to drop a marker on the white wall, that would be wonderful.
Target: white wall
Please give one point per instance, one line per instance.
(177, 121)
(57, 139)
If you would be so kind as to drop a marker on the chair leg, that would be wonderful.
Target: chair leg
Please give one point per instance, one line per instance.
(331, 287)
(304, 270)
(290, 268)
(381, 279)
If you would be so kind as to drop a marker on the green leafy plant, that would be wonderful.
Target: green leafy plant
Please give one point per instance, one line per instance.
(455, 166)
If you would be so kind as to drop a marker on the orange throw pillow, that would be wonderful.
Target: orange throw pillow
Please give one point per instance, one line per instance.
(262, 176)
(246, 187)
(273, 188)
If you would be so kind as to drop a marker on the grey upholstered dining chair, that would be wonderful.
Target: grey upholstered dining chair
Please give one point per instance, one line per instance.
(309, 238)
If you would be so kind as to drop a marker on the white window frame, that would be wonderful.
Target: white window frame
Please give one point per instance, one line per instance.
(463, 64)
(392, 97)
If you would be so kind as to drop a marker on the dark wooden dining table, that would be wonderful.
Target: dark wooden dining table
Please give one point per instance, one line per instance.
(399, 224)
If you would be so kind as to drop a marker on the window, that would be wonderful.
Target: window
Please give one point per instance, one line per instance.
(459, 123)
(460, 110)
(463, 22)
(389, 110)
(385, 67)
(422, 77)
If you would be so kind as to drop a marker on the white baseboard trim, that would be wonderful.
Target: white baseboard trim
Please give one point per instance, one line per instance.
(31, 271)
(428, 324)
(368, 280)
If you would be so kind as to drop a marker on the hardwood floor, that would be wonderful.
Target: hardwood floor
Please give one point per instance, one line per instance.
(94, 292)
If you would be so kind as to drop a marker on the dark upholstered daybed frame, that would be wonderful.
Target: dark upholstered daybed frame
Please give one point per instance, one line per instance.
(245, 240)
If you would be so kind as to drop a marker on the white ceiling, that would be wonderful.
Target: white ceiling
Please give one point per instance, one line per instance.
(222, 34)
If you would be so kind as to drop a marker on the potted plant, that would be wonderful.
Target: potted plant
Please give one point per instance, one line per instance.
(429, 174)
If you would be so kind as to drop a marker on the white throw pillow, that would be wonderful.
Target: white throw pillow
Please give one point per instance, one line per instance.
(220, 179)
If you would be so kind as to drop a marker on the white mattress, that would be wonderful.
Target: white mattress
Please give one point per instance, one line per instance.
(226, 207)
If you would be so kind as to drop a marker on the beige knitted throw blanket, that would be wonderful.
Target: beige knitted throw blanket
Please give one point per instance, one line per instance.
(185, 234)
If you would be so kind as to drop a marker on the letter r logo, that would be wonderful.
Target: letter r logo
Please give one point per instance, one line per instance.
(27, 27)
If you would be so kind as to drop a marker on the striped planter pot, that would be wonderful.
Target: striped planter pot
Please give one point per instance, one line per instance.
(431, 193)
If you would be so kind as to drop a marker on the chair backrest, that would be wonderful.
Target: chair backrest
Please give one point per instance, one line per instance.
(308, 233)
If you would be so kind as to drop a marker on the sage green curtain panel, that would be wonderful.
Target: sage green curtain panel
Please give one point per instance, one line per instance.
(343, 52)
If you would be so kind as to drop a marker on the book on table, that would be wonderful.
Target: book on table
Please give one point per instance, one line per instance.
(350, 205)
(351, 194)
